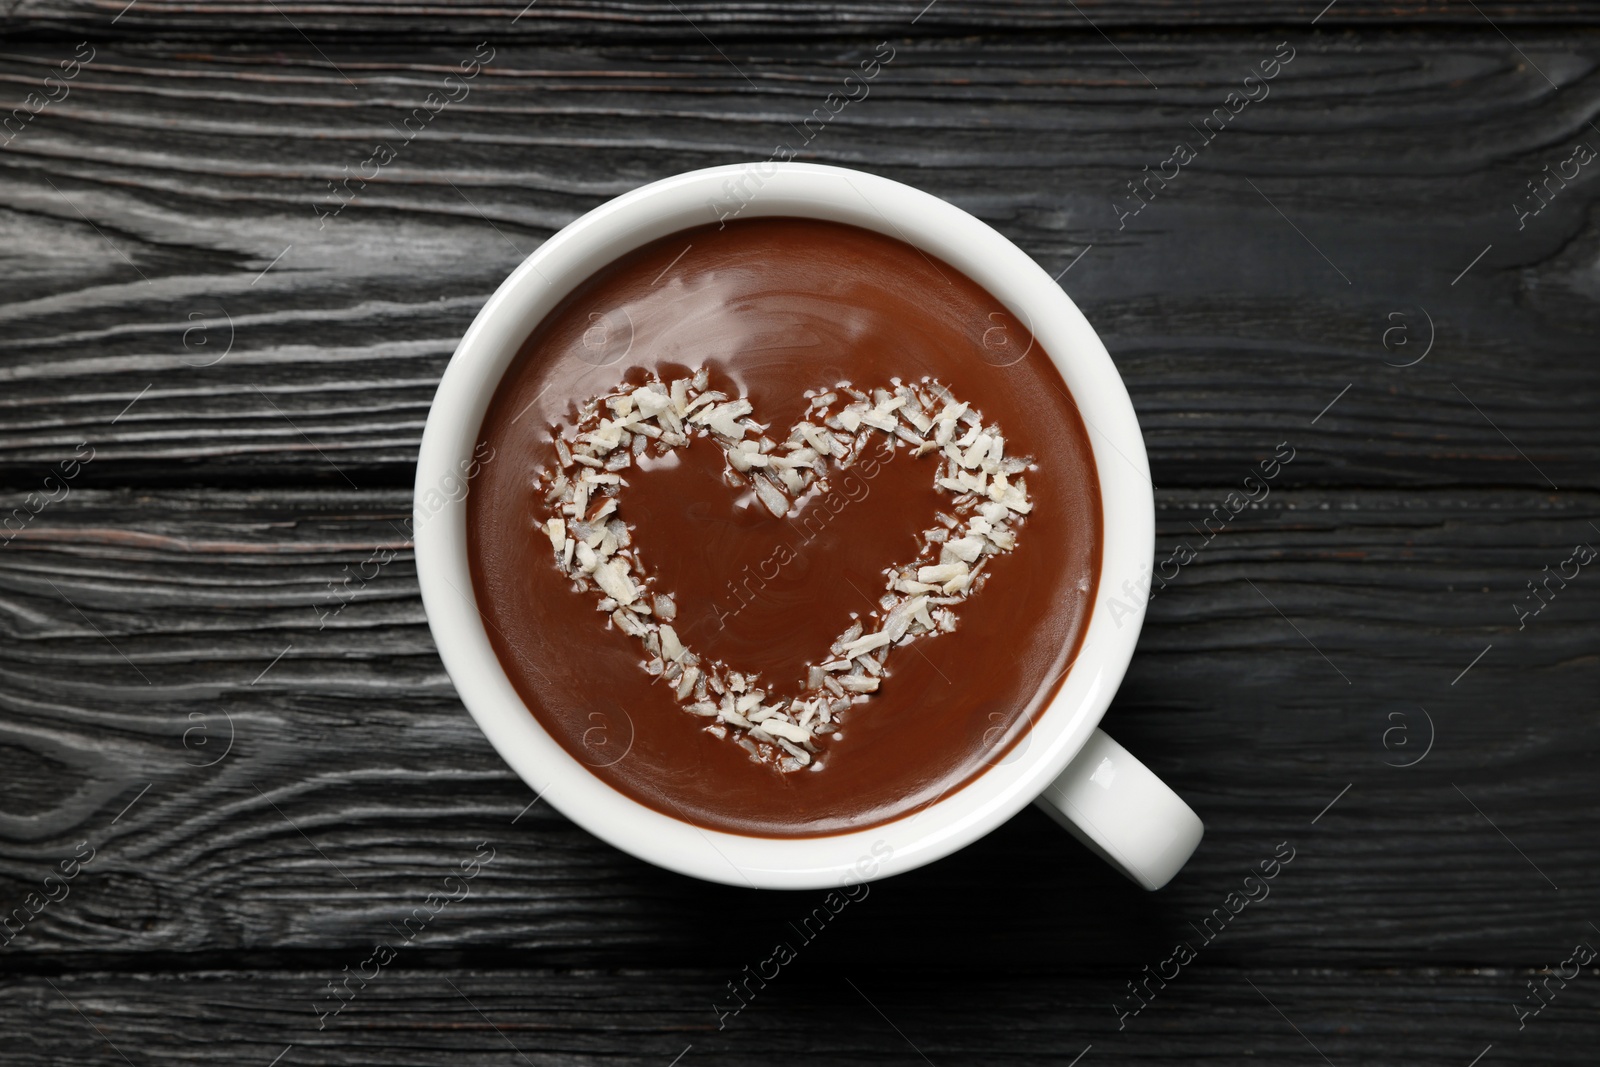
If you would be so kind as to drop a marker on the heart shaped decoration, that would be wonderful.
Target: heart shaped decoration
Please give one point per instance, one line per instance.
(988, 500)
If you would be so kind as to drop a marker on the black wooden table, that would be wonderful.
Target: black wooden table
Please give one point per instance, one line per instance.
(231, 766)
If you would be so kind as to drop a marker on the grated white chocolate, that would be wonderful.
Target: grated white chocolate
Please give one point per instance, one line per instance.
(987, 501)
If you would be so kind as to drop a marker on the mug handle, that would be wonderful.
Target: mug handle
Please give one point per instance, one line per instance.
(1124, 813)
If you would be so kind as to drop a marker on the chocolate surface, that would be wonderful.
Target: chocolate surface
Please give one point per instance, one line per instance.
(773, 308)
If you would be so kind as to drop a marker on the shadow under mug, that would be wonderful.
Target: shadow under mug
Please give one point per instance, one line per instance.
(1069, 767)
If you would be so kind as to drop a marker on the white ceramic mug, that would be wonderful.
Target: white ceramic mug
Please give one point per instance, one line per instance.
(1080, 776)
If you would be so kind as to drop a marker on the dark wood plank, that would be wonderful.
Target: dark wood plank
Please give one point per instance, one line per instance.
(170, 604)
(144, 210)
(693, 21)
(355, 781)
(865, 1012)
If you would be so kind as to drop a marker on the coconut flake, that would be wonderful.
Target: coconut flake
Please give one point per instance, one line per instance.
(612, 576)
(941, 573)
(771, 497)
(965, 549)
(786, 730)
(671, 647)
(556, 530)
(864, 644)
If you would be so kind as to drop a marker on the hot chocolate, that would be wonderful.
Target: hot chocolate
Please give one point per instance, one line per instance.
(791, 529)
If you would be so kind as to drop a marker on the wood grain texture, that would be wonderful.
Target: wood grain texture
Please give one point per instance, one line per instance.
(873, 1012)
(696, 21)
(165, 212)
(356, 782)
(270, 788)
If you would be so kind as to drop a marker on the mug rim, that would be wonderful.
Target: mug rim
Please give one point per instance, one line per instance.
(885, 206)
